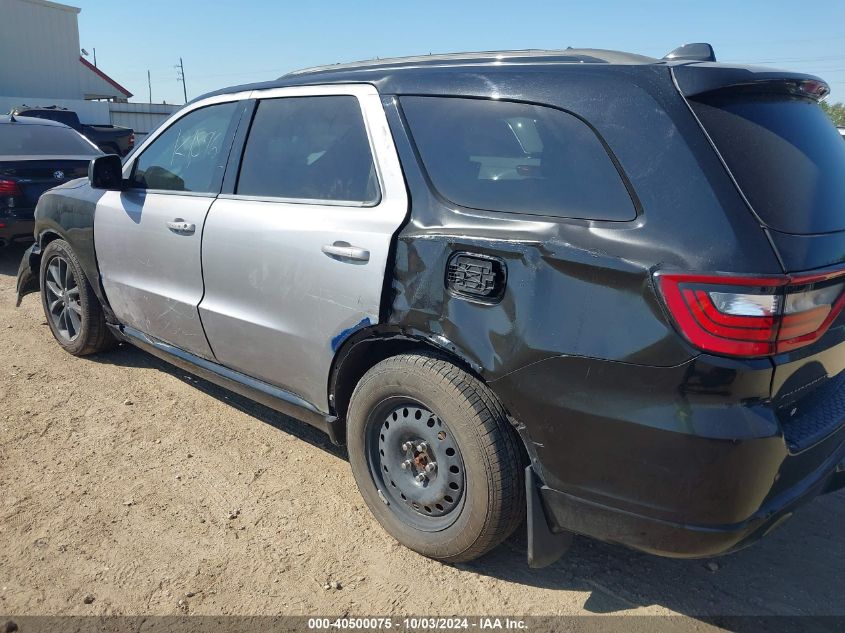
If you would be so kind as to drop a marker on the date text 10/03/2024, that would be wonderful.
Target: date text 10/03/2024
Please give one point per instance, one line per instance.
(418, 624)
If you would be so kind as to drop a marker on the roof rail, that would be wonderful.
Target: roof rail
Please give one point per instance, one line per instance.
(696, 52)
(581, 55)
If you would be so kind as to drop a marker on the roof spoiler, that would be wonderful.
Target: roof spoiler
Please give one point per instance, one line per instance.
(700, 79)
(696, 52)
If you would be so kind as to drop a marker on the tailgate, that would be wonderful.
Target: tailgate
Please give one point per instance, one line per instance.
(787, 159)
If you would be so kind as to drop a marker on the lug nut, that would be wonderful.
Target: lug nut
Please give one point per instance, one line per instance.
(421, 477)
(406, 464)
(422, 446)
(430, 467)
(407, 446)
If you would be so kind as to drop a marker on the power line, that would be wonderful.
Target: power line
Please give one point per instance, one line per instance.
(241, 73)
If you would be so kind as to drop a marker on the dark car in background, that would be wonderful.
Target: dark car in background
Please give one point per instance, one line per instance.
(111, 139)
(35, 155)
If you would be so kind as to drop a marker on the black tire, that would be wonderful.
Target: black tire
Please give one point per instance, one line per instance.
(465, 413)
(83, 329)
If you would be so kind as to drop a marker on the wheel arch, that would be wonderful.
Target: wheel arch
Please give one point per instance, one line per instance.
(47, 236)
(369, 346)
(51, 234)
(82, 245)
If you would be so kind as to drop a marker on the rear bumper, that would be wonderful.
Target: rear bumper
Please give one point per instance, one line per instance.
(688, 461)
(567, 513)
(16, 230)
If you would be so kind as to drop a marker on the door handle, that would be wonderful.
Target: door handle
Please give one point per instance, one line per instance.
(180, 226)
(344, 250)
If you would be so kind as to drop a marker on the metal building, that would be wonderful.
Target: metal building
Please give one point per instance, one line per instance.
(40, 54)
(41, 65)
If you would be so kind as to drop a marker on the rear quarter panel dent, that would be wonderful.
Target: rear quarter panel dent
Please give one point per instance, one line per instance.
(559, 300)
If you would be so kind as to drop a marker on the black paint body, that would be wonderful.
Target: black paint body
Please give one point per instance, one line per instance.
(635, 436)
(65, 212)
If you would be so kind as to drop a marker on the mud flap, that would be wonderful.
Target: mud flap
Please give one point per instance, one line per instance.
(27, 281)
(837, 480)
(544, 546)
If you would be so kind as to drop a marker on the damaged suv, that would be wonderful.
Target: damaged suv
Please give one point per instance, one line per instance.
(596, 288)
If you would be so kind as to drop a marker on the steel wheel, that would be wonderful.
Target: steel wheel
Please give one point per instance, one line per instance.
(63, 302)
(461, 491)
(416, 463)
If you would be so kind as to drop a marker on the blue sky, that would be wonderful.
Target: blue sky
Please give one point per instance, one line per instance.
(238, 41)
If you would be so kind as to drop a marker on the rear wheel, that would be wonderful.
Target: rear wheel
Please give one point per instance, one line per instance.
(72, 309)
(435, 458)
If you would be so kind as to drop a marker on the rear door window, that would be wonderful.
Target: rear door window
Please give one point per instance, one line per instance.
(516, 157)
(785, 155)
(309, 148)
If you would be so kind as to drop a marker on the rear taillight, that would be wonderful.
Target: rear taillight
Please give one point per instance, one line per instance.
(9, 188)
(753, 316)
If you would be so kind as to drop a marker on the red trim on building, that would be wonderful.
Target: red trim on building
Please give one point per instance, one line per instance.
(104, 76)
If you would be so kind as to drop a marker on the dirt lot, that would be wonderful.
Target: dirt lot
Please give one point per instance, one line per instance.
(126, 480)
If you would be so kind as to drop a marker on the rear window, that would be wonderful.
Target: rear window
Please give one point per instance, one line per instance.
(62, 116)
(785, 155)
(24, 139)
(516, 157)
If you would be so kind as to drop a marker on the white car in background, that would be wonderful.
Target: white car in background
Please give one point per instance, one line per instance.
(841, 131)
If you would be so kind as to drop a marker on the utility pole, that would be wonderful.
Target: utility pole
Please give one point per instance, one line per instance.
(181, 77)
(150, 86)
(95, 58)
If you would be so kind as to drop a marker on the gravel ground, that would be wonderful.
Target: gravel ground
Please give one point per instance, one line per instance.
(129, 487)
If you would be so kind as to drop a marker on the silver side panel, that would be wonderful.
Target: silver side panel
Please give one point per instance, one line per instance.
(152, 275)
(276, 306)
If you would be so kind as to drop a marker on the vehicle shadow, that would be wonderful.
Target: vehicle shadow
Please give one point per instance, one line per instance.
(127, 356)
(796, 571)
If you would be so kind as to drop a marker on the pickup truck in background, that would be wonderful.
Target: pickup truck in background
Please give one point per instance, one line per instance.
(111, 139)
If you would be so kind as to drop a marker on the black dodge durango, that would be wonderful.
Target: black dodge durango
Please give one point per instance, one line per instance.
(596, 289)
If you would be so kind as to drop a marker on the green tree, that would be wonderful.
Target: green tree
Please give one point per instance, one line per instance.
(836, 112)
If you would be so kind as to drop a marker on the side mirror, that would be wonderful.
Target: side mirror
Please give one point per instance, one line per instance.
(106, 172)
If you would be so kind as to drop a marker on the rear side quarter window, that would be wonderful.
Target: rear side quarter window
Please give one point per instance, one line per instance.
(516, 157)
